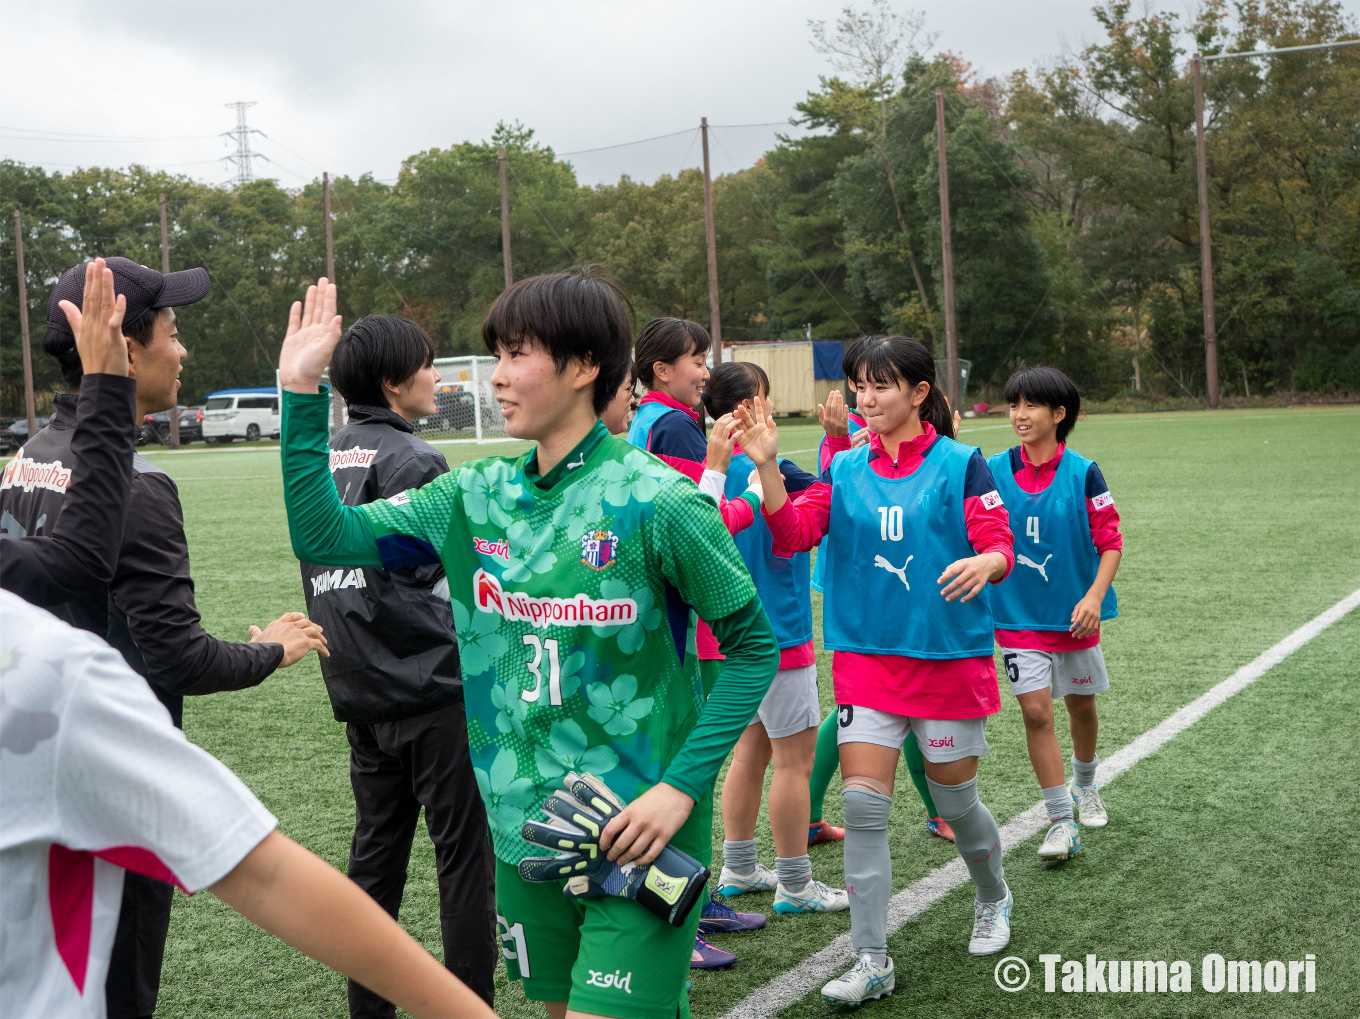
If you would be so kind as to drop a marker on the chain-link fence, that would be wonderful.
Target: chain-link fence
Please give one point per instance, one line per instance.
(465, 406)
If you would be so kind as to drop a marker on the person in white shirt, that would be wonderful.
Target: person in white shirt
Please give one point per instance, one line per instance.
(96, 781)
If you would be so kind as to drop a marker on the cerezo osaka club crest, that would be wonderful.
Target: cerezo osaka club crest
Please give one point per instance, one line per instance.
(598, 549)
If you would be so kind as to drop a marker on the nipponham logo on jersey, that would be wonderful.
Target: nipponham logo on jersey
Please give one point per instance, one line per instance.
(991, 500)
(598, 548)
(354, 457)
(27, 474)
(579, 610)
(1103, 501)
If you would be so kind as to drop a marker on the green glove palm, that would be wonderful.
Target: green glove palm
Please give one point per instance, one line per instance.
(668, 887)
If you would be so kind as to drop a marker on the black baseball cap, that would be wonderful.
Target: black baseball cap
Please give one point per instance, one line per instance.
(144, 288)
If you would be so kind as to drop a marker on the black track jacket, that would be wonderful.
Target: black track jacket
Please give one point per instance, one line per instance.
(391, 638)
(148, 611)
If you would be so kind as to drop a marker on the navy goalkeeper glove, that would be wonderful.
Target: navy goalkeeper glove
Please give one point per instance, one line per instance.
(668, 887)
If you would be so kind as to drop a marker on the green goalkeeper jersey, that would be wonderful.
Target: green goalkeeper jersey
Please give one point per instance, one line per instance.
(574, 599)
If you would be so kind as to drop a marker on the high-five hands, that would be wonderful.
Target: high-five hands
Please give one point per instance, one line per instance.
(99, 327)
(295, 633)
(834, 415)
(313, 332)
(760, 441)
(721, 442)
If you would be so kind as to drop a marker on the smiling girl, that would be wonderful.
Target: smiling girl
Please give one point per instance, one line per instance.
(917, 531)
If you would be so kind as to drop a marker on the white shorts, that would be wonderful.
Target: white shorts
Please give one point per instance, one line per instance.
(1061, 672)
(791, 704)
(940, 740)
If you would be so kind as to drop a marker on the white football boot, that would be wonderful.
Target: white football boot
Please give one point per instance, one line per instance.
(1063, 842)
(865, 982)
(815, 898)
(762, 879)
(1090, 807)
(991, 925)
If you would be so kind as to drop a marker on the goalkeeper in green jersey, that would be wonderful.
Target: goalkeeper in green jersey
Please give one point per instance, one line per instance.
(575, 574)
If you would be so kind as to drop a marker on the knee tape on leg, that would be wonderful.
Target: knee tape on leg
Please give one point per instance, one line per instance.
(873, 785)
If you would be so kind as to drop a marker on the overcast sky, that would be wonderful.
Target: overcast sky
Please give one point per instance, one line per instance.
(357, 87)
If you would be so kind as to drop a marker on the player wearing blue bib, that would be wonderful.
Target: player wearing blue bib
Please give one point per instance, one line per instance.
(1067, 556)
(785, 726)
(844, 427)
(917, 532)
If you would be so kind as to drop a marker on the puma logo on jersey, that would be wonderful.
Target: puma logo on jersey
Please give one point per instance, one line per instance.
(336, 580)
(901, 574)
(1025, 560)
(27, 474)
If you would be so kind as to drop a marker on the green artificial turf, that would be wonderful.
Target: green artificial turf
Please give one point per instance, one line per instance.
(1239, 527)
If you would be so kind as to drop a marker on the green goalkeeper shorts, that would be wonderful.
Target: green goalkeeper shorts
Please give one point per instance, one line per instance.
(603, 956)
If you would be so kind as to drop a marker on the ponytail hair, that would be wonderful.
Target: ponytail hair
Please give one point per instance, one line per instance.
(900, 361)
(731, 383)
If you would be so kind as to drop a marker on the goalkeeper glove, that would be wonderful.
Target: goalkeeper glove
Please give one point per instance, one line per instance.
(668, 887)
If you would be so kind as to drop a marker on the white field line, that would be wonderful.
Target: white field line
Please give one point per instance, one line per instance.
(916, 898)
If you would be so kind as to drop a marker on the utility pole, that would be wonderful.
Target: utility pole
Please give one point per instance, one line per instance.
(951, 338)
(23, 325)
(714, 319)
(505, 221)
(1206, 260)
(1202, 176)
(337, 411)
(165, 270)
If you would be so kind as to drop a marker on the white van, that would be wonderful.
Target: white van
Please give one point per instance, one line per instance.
(248, 414)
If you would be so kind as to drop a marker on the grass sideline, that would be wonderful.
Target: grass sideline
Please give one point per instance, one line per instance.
(1238, 528)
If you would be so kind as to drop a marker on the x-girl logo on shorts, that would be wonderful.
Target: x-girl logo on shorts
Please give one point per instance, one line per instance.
(496, 548)
(617, 979)
(26, 473)
(353, 457)
(598, 549)
(948, 741)
(579, 610)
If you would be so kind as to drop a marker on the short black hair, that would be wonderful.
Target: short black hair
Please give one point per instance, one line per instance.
(62, 345)
(900, 361)
(378, 349)
(668, 340)
(732, 382)
(1049, 388)
(583, 312)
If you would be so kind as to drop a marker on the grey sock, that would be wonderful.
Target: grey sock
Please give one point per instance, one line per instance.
(1059, 803)
(976, 836)
(1084, 772)
(740, 857)
(794, 871)
(868, 871)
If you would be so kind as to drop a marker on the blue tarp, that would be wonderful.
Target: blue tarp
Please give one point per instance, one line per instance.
(826, 359)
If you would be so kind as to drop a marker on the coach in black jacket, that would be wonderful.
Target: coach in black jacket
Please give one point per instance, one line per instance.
(147, 612)
(393, 674)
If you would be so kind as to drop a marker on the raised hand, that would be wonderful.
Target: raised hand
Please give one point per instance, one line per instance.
(721, 442)
(834, 415)
(313, 332)
(99, 328)
(758, 436)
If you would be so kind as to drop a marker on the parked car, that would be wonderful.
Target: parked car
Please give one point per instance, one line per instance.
(16, 435)
(248, 414)
(454, 410)
(156, 427)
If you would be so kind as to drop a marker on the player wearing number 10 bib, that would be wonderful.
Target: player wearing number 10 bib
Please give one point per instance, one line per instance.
(575, 570)
(1067, 556)
(917, 531)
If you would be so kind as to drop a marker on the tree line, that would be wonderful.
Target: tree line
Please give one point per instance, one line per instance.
(1073, 205)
